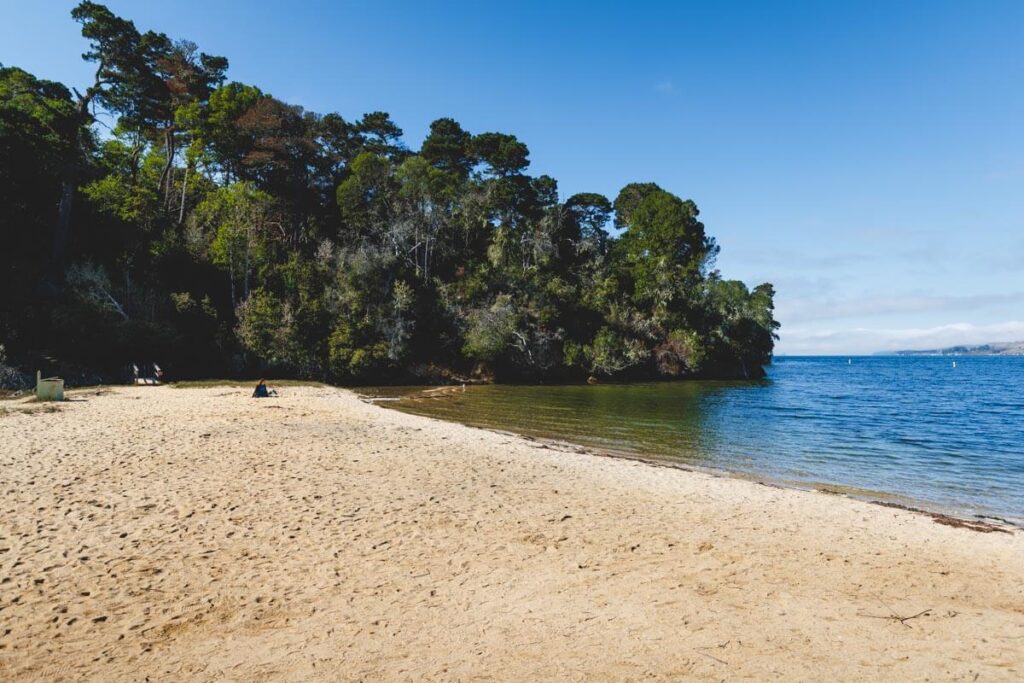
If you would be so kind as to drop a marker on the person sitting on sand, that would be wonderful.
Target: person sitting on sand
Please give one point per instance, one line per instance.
(261, 390)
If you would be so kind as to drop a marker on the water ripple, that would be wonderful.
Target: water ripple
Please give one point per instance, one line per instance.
(913, 427)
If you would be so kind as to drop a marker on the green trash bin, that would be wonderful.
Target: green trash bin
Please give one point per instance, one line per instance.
(49, 389)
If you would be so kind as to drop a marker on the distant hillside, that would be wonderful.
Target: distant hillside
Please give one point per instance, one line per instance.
(995, 349)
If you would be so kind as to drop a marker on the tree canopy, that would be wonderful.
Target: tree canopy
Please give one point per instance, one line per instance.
(223, 231)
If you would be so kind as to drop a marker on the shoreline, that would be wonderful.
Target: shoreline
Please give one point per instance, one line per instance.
(977, 522)
(200, 534)
(980, 521)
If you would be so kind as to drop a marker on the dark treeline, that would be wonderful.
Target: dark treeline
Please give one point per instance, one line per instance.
(221, 231)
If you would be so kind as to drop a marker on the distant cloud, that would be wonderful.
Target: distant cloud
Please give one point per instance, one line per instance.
(807, 309)
(665, 87)
(830, 260)
(789, 259)
(796, 341)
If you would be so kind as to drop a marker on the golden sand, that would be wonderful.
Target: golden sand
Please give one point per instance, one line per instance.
(198, 534)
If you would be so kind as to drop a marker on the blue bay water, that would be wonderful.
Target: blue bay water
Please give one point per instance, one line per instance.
(918, 428)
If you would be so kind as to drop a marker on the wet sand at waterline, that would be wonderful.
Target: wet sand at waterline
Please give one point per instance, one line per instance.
(198, 534)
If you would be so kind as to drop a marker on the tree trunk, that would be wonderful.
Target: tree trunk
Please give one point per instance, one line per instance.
(184, 186)
(245, 291)
(416, 248)
(167, 175)
(231, 275)
(62, 229)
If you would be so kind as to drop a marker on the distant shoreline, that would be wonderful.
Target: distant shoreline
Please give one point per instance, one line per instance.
(990, 349)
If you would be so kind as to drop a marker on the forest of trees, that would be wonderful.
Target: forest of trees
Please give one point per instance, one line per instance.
(223, 232)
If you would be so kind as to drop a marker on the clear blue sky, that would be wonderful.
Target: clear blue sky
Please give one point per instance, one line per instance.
(865, 157)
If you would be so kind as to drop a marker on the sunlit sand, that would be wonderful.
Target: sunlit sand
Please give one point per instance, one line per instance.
(198, 534)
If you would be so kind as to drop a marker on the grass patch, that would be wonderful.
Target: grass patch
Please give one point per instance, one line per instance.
(32, 408)
(12, 395)
(30, 394)
(272, 383)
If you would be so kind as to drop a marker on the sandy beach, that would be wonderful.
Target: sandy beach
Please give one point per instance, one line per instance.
(156, 533)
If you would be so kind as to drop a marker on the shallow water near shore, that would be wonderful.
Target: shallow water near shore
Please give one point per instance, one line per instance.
(916, 428)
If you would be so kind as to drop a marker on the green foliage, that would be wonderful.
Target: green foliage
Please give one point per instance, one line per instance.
(263, 327)
(218, 138)
(352, 352)
(628, 198)
(490, 330)
(663, 250)
(225, 231)
(364, 197)
(232, 228)
(448, 147)
(128, 191)
(612, 352)
(503, 154)
(37, 118)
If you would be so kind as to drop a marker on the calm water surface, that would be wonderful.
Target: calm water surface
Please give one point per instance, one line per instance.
(914, 427)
